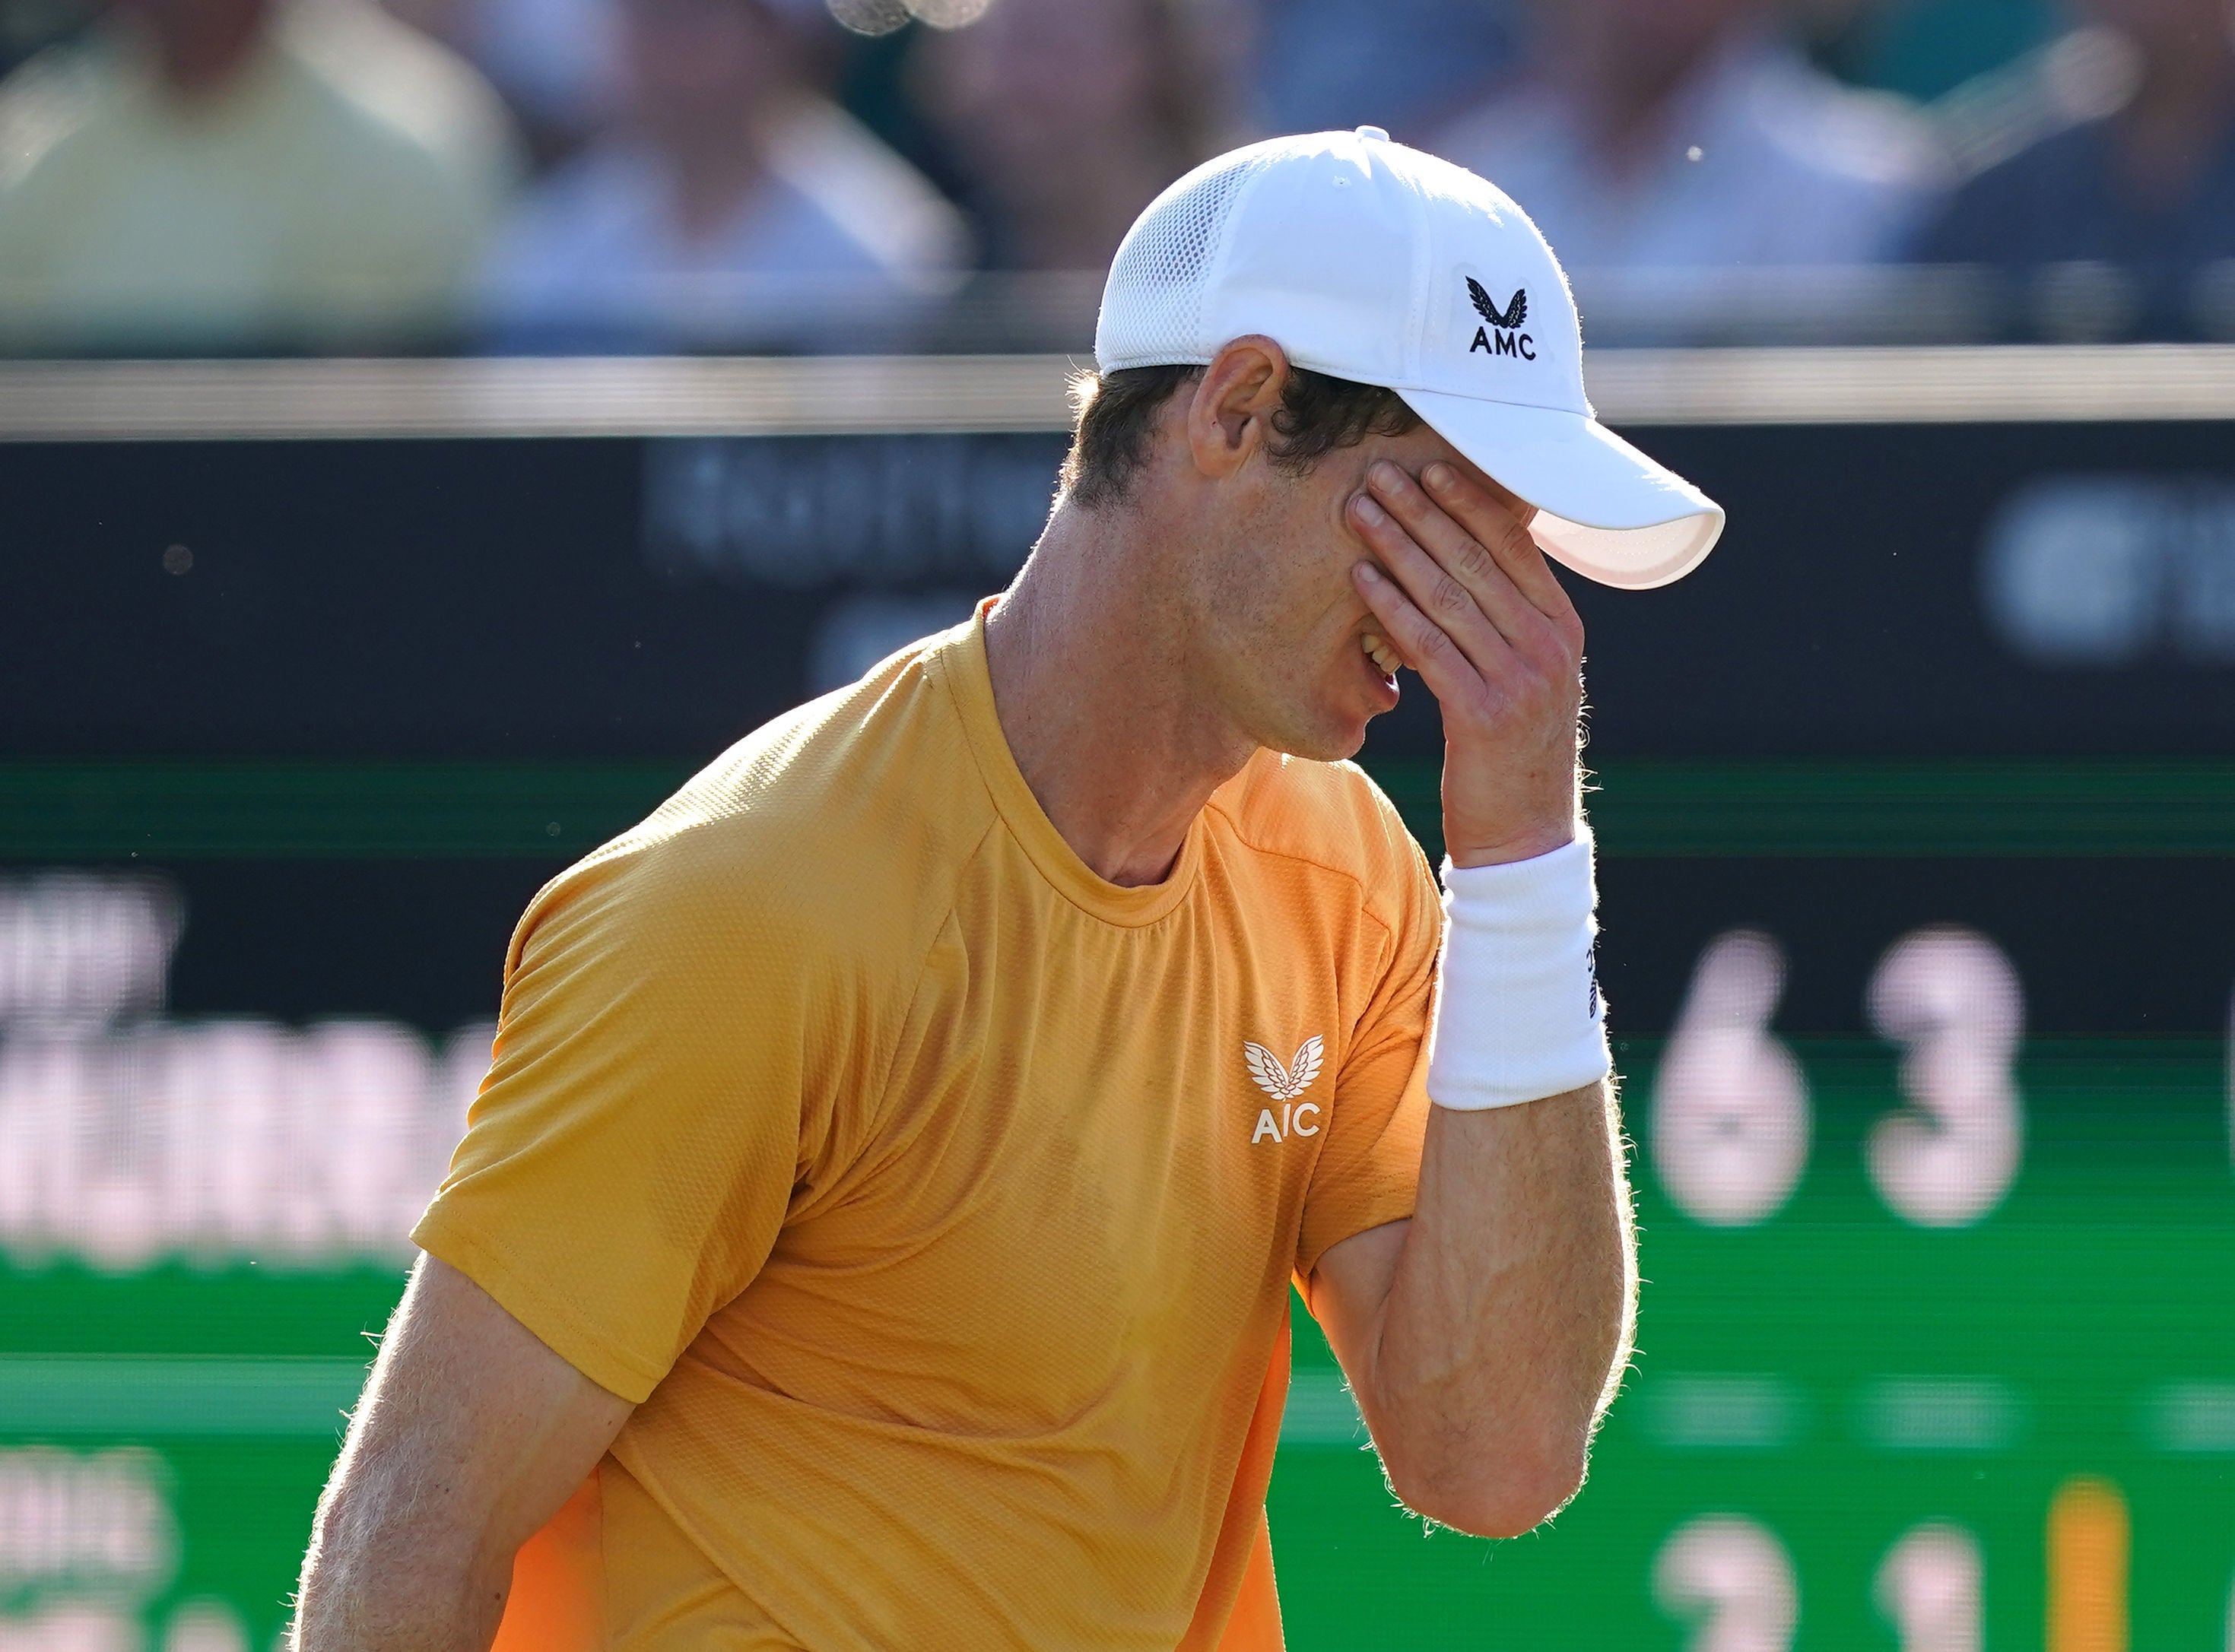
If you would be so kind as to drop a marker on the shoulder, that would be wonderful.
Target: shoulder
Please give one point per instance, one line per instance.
(590, 202)
(829, 840)
(1332, 816)
(560, 259)
(48, 101)
(872, 198)
(2030, 206)
(2061, 158)
(408, 80)
(1840, 134)
(371, 169)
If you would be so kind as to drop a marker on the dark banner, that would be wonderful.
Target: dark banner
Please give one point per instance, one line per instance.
(1923, 589)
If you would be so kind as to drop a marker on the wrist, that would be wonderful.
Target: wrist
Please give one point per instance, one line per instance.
(1495, 821)
(1518, 1015)
(1527, 844)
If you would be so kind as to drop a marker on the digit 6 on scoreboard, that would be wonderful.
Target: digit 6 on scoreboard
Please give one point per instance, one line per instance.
(1730, 1106)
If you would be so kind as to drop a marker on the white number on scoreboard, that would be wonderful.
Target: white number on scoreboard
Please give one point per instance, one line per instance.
(1732, 1580)
(1929, 1587)
(1730, 1106)
(1951, 997)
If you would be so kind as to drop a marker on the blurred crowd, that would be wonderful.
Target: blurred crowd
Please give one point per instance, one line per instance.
(557, 176)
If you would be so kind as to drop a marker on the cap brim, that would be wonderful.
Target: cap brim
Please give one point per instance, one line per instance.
(1602, 508)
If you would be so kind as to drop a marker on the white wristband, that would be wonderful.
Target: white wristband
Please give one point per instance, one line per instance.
(1518, 1015)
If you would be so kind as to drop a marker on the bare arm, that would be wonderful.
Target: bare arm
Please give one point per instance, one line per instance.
(471, 1434)
(1485, 1336)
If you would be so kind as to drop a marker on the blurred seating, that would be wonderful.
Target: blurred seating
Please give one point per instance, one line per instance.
(733, 206)
(233, 175)
(1323, 65)
(1066, 117)
(2109, 211)
(1658, 142)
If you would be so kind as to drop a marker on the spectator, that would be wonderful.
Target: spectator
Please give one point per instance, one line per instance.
(1068, 116)
(1315, 69)
(734, 206)
(224, 174)
(550, 59)
(1687, 136)
(2120, 222)
(411, 80)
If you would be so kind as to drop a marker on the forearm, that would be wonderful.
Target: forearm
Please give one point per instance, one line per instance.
(1485, 1349)
(377, 1579)
(471, 1435)
(1508, 1316)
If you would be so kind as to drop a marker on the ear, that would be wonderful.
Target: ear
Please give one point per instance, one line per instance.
(1229, 415)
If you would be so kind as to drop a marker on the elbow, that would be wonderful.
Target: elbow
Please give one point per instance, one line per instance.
(1505, 1498)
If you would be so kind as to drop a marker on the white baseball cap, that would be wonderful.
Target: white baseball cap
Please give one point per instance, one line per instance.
(1373, 262)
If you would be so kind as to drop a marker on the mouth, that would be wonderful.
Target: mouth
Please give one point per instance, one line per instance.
(1380, 657)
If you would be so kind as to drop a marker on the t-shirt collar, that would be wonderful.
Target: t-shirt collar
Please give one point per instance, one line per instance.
(961, 661)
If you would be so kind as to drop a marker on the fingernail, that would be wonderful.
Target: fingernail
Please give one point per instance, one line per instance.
(1440, 476)
(1367, 574)
(1387, 475)
(1370, 511)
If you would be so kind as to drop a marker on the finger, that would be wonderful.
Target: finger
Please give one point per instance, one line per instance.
(1432, 589)
(1476, 508)
(1464, 553)
(1426, 647)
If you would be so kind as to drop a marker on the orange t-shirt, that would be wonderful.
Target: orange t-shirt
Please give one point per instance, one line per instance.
(936, 1201)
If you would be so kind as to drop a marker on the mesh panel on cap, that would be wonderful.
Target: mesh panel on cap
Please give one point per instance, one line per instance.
(1152, 307)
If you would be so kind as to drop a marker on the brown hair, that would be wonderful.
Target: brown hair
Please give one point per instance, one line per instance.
(1118, 413)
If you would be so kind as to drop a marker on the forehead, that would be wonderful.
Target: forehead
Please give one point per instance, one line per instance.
(1415, 451)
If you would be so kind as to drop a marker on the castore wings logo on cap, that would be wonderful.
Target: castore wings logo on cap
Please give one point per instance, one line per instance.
(1503, 336)
(1516, 310)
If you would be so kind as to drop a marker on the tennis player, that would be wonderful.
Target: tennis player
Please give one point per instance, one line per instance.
(875, 1229)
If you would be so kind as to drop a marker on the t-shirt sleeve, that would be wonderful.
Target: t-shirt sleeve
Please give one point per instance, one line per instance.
(1368, 1171)
(646, 1118)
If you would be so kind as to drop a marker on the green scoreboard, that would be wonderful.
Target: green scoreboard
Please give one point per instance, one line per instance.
(1916, 816)
(1938, 1340)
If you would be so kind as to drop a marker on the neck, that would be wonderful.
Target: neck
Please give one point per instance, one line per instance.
(198, 57)
(1107, 715)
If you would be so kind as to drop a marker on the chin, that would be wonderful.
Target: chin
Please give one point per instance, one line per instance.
(1335, 733)
(1327, 722)
(1328, 749)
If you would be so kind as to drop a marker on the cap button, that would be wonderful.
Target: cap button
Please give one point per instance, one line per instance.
(1373, 134)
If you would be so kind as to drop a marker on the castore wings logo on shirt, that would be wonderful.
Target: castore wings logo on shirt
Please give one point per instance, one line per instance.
(1284, 1085)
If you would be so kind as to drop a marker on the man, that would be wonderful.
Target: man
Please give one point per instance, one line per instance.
(1065, 117)
(875, 1231)
(243, 174)
(733, 203)
(1690, 135)
(2118, 220)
